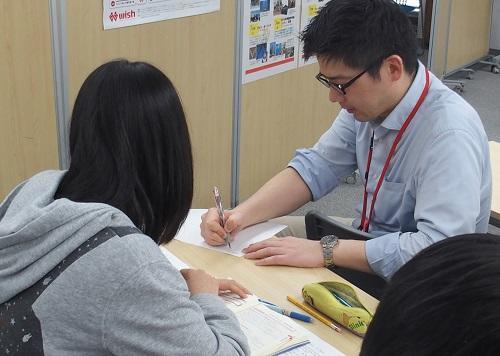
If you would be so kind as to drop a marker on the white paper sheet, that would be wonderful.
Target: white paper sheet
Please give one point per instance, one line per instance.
(263, 327)
(316, 347)
(267, 331)
(190, 233)
(174, 260)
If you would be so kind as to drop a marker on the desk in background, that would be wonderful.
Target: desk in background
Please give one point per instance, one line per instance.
(273, 283)
(495, 175)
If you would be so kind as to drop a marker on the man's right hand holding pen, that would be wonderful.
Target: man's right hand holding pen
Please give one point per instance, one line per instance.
(211, 229)
(281, 195)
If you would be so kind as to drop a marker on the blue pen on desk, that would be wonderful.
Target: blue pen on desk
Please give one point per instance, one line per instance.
(291, 314)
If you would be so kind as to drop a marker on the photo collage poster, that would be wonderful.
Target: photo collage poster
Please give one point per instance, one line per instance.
(270, 37)
(271, 32)
(310, 9)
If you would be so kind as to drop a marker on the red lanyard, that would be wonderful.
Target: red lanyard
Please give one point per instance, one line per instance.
(365, 223)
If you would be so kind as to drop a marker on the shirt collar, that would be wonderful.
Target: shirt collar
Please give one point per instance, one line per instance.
(397, 117)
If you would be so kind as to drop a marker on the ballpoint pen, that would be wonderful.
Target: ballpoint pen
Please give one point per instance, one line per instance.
(314, 313)
(291, 314)
(220, 210)
(341, 299)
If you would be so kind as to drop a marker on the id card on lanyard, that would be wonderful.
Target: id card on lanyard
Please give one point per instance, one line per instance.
(365, 221)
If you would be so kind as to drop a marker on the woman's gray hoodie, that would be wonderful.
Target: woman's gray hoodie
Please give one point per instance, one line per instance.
(122, 298)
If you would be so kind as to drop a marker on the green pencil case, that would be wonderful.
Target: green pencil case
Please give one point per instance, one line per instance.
(340, 302)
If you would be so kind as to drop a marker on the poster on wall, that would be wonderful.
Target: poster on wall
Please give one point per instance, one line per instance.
(270, 37)
(123, 13)
(310, 9)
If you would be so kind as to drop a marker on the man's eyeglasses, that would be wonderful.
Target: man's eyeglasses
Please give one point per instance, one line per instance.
(340, 88)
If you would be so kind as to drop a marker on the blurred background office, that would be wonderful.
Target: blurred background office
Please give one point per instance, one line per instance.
(242, 134)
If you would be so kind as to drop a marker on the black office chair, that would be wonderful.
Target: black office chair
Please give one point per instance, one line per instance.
(319, 225)
(494, 223)
(494, 220)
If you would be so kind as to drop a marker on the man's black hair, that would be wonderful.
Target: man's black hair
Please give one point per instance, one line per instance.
(360, 34)
(130, 147)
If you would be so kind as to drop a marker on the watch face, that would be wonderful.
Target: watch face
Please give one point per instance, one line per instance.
(329, 239)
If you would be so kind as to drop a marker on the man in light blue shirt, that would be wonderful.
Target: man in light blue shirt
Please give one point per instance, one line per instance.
(437, 181)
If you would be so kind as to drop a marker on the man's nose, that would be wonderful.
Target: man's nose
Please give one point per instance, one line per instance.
(335, 96)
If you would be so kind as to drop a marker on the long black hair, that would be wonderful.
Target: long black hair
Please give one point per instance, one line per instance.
(130, 147)
(444, 301)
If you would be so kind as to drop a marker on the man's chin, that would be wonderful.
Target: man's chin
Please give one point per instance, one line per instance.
(360, 117)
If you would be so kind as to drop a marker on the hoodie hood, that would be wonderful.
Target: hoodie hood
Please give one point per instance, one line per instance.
(37, 232)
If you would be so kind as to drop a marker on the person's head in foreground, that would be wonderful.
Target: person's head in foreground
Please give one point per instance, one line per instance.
(444, 301)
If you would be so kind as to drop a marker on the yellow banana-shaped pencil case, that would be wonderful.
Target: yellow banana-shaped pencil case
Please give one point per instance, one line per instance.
(340, 302)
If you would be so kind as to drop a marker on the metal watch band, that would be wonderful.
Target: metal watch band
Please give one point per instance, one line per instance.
(328, 242)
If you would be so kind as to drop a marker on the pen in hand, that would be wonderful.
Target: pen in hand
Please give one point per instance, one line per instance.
(220, 210)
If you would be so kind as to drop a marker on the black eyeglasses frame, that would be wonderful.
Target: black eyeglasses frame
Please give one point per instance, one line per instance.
(341, 88)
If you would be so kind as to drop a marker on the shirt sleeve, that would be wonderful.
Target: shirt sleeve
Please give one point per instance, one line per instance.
(332, 157)
(448, 197)
(153, 314)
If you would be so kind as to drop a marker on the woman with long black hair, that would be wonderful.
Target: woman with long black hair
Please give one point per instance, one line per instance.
(80, 268)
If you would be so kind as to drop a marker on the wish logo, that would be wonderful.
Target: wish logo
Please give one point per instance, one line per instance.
(115, 16)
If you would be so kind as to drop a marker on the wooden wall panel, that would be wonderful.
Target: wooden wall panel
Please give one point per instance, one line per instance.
(196, 53)
(440, 37)
(469, 32)
(28, 134)
(280, 114)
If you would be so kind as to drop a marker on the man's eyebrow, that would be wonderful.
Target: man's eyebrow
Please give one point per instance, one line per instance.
(337, 77)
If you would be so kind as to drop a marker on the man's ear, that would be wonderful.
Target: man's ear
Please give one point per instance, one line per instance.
(393, 68)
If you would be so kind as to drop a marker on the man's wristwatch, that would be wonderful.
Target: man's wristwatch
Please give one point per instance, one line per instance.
(328, 242)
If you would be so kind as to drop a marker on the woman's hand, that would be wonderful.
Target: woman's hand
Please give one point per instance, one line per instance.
(199, 281)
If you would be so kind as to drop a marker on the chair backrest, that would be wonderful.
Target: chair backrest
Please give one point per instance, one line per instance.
(319, 225)
(494, 220)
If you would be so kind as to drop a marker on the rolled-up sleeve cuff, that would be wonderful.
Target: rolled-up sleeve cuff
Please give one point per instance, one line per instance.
(384, 255)
(311, 173)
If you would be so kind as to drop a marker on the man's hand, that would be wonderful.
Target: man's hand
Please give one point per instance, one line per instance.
(199, 281)
(211, 229)
(287, 251)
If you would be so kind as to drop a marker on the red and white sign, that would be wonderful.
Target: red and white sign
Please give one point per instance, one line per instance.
(122, 13)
